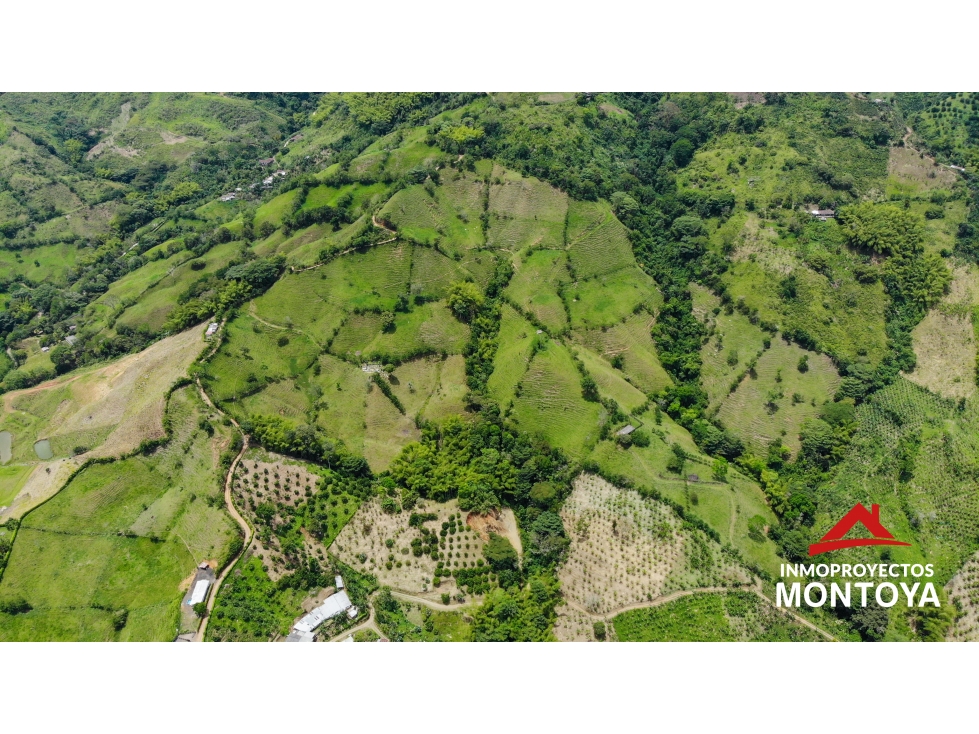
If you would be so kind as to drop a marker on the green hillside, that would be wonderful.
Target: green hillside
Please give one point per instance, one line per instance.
(448, 307)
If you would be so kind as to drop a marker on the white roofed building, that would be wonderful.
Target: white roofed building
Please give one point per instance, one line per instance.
(200, 592)
(332, 607)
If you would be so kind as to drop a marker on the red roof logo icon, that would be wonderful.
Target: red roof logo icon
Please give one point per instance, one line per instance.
(870, 519)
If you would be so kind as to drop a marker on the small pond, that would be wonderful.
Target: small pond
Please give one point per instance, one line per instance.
(43, 449)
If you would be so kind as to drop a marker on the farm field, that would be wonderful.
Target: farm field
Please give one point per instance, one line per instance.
(549, 402)
(516, 339)
(536, 288)
(524, 213)
(120, 538)
(597, 241)
(712, 617)
(106, 411)
(945, 340)
(384, 545)
(632, 341)
(774, 401)
(605, 300)
(626, 549)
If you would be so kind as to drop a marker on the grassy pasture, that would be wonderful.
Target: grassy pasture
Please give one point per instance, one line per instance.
(285, 398)
(611, 383)
(430, 387)
(250, 356)
(373, 278)
(341, 408)
(432, 272)
(606, 299)
(12, 479)
(46, 264)
(763, 408)
(303, 248)
(945, 340)
(912, 174)
(734, 341)
(430, 327)
(394, 155)
(631, 339)
(387, 430)
(515, 341)
(132, 285)
(448, 397)
(524, 212)
(536, 285)
(330, 196)
(549, 402)
(122, 536)
(276, 209)
(156, 303)
(848, 319)
(465, 192)
(431, 219)
(300, 300)
(598, 243)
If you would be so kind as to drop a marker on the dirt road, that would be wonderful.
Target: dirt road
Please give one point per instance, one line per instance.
(232, 510)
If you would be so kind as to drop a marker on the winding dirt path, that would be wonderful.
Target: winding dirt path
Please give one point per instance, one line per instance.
(252, 311)
(437, 606)
(232, 510)
(369, 623)
(394, 236)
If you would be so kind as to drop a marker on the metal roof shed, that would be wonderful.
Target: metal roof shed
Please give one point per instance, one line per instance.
(200, 592)
(336, 604)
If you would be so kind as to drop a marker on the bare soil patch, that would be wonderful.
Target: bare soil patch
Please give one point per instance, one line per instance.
(909, 166)
(501, 522)
(945, 342)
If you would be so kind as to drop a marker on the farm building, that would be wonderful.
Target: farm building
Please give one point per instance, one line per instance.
(266, 161)
(332, 607)
(625, 431)
(823, 214)
(212, 327)
(229, 197)
(339, 583)
(301, 637)
(200, 592)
